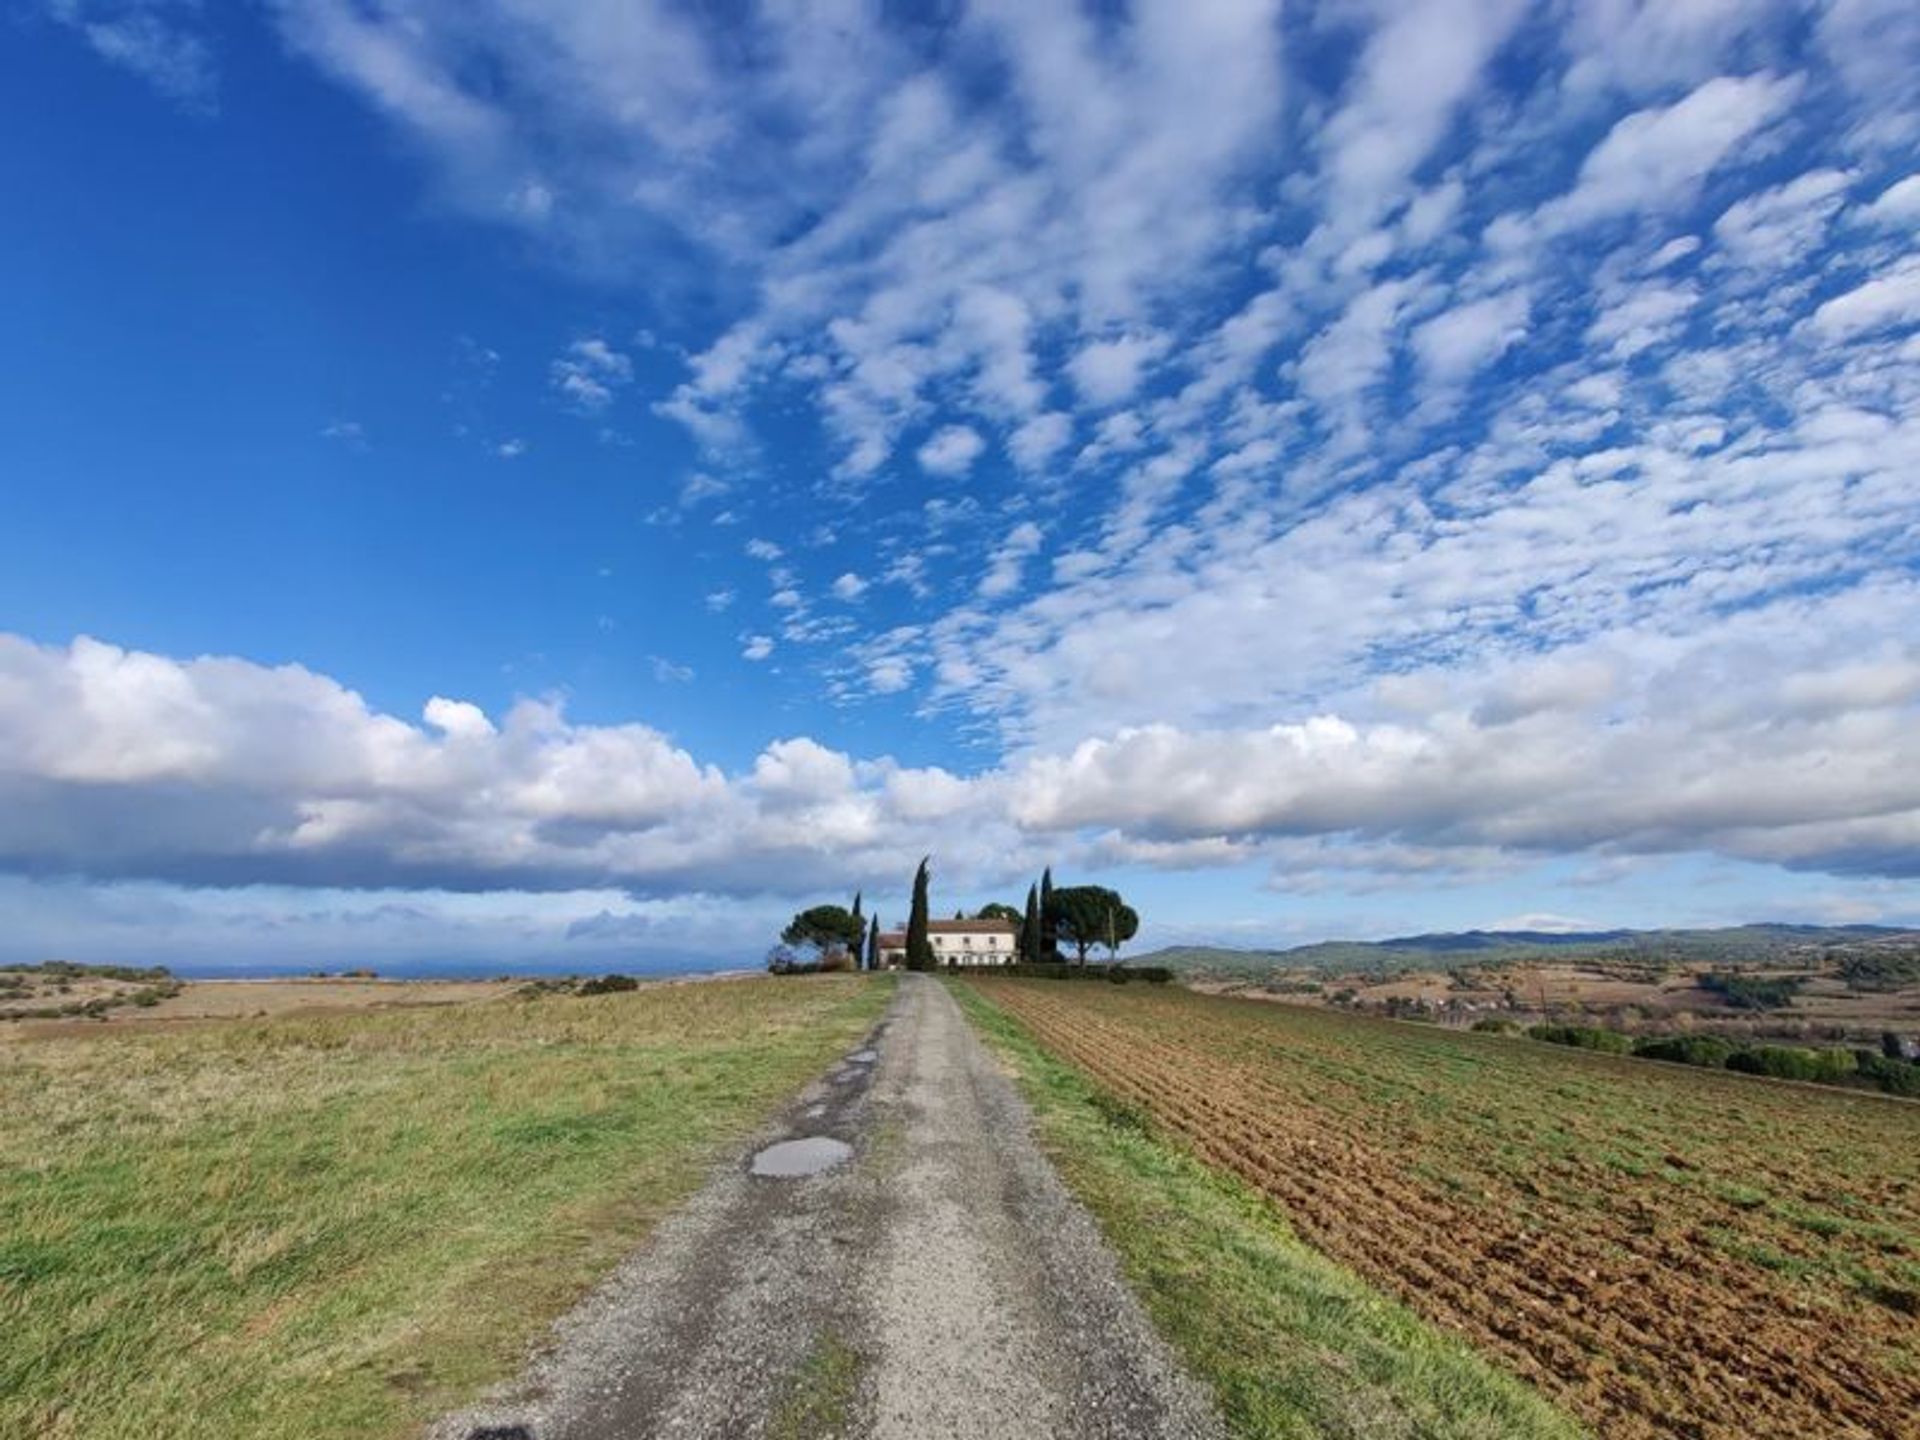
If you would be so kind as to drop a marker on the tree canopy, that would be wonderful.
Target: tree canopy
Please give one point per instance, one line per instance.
(920, 954)
(831, 927)
(997, 911)
(1090, 915)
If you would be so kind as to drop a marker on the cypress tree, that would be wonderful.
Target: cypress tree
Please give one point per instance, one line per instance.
(1030, 928)
(859, 930)
(1049, 918)
(919, 947)
(873, 945)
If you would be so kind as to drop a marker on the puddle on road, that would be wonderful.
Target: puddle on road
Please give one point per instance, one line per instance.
(864, 1057)
(792, 1159)
(814, 1112)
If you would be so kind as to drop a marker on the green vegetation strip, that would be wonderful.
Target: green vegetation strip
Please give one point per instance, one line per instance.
(339, 1226)
(1292, 1344)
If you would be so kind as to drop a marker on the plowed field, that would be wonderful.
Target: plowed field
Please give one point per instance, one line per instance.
(1667, 1252)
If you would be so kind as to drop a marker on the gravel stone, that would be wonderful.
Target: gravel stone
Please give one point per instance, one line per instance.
(978, 1297)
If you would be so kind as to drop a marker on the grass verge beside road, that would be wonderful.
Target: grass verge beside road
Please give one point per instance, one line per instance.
(339, 1226)
(1291, 1344)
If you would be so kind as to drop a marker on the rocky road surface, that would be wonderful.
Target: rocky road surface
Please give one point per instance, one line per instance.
(938, 1283)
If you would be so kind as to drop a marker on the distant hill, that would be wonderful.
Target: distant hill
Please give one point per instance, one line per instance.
(1733, 945)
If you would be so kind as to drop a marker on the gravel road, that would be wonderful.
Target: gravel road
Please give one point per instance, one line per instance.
(940, 1283)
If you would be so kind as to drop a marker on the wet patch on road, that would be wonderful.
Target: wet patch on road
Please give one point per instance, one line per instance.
(796, 1159)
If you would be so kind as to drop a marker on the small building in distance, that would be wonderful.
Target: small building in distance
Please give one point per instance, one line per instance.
(956, 942)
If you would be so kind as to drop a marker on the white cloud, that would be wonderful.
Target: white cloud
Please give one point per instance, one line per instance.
(1543, 922)
(889, 676)
(849, 587)
(588, 374)
(220, 770)
(700, 488)
(760, 549)
(1640, 317)
(1874, 45)
(1350, 356)
(149, 38)
(1108, 371)
(1009, 561)
(1889, 299)
(758, 647)
(1657, 157)
(1781, 226)
(1897, 205)
(1456, 343)
(1040, 439)
(951, 451)
(1417, 69)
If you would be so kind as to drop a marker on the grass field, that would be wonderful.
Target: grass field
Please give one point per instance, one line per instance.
(1292, 1344)
(1665, 1251)
(334, 1226)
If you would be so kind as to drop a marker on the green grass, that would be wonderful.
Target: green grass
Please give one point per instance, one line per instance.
(818, 1399)
(339, 1226)
(1291, 1344)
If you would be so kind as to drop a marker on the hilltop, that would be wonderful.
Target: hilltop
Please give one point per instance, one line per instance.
(1769, 944)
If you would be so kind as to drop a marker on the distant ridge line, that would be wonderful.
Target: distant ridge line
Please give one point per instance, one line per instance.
(1729, 945)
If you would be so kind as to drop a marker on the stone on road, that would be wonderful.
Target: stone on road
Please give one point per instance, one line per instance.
(940, 1282)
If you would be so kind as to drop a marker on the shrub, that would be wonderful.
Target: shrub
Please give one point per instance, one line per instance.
(1753, 992)
(794, 959)
(1881, 971)
(1583, 1037)
(1060, 970)
(607, 985)
(1493, 1026)
(1882, 1072)
(1711, 1051)
(1789, 1062)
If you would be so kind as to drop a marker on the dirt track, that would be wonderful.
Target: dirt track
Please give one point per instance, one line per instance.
(941, 1283)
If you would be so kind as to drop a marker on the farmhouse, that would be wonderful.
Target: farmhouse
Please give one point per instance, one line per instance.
(956, 942)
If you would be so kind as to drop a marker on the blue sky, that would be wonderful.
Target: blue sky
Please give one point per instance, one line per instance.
(564, 483)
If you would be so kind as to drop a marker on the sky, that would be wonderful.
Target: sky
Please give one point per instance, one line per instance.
(495, 484)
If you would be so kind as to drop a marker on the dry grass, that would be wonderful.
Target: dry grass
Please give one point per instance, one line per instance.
(336, 1225)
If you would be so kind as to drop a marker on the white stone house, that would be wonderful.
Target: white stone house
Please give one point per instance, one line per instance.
(959, 942)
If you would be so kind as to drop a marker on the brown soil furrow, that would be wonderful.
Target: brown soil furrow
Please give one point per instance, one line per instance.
(1622, 1294)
